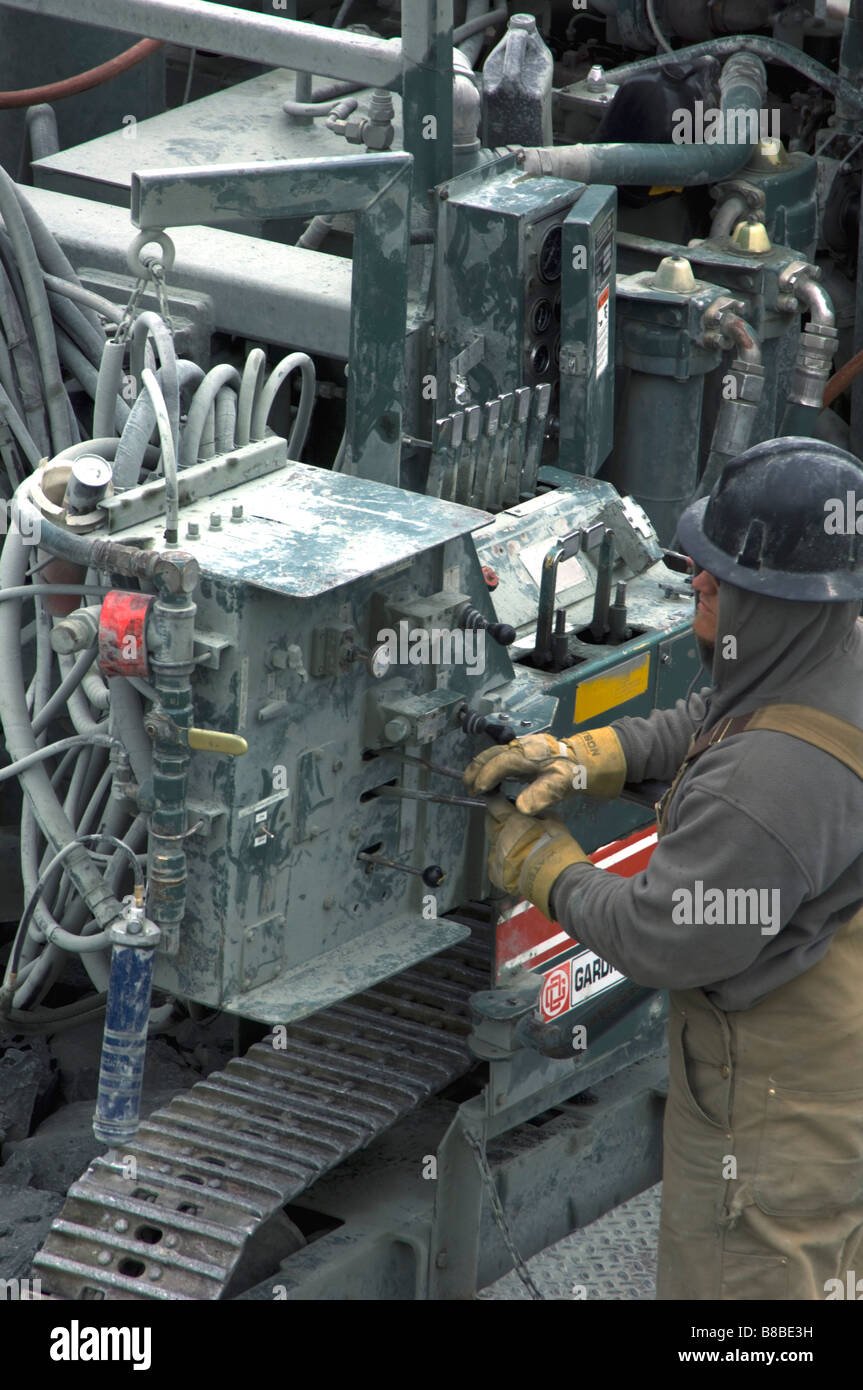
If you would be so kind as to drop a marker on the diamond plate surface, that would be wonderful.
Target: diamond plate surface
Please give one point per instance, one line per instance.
(613, 1258)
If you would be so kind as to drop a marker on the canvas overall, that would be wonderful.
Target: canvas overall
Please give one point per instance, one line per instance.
(763, 1139)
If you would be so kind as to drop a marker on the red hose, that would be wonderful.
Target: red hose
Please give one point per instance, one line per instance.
(841, 380)
(93, 77)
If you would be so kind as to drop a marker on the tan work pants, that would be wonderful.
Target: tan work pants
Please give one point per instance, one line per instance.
(763, 1144)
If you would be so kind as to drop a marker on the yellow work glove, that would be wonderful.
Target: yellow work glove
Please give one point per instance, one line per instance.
(526, 855)
(591, 762)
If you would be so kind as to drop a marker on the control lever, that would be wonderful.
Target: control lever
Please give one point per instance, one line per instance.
(432, 876)
(486, 724)
(586, 538)
(502, 633)
(602, 596)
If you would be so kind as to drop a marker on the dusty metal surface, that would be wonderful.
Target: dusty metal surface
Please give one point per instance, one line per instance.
(169, 1216)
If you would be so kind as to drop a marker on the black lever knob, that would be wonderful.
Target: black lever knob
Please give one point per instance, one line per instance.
(501, 633)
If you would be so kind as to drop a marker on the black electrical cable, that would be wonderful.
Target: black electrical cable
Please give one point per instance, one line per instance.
(32, 1022)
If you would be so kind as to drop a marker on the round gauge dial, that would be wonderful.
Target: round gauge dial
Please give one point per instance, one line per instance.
(380, 661)
(541, 315)
(551, 254)
(540, 359)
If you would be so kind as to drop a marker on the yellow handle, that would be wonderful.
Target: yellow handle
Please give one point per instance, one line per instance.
(211, 741)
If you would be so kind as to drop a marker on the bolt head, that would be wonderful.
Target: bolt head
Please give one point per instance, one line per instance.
(237, 511)
(215, 521)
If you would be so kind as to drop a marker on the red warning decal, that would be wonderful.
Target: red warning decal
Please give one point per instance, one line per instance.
(526, 938)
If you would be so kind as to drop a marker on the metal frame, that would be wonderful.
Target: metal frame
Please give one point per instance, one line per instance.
(421, 61)
(374, 187)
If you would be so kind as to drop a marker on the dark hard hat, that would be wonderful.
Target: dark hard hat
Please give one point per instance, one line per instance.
(781, 520)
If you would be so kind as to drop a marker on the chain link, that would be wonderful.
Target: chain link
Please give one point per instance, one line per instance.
(124, 326)
(519, 1265)
(156, 273)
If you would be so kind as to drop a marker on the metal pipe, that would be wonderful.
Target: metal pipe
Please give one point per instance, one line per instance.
(818, 343)
(376, 187)
(815, 298)
(735, 420)
(271, 41)
(471, 44)
(728, 215)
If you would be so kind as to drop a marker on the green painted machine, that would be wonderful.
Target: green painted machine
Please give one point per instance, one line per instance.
(377, 455)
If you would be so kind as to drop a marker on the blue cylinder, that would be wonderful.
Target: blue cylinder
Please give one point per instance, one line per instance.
(124, 1043)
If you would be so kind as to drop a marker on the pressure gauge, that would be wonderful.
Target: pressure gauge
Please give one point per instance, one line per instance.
(551, 254)
(380, 661)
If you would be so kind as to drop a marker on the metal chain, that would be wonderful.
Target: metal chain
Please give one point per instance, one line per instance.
(157, 271)
(125, 324)
(519, 1265)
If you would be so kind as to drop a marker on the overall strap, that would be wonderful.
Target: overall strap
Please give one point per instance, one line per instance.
(839, 738)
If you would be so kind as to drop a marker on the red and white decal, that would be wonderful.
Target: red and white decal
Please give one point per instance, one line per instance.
(555, 992)
(525, 938)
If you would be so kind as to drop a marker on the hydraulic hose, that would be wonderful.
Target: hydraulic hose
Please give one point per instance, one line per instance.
(21, 743)
(225, 420)
(82, 81)
(109, 382)
(768, 50)
(250, 387)
(140, 423)
(36, 295)
(203, 403)
(149, 327)
(169, 456)
(743, 86)
(42, 131)
(264, 404)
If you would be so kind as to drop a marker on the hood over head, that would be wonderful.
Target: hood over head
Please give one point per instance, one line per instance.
(782, 651)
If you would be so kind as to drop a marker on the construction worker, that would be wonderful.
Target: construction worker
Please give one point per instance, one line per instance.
(763, 1139)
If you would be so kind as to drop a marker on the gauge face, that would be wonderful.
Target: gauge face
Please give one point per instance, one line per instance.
(550, 254)
(541, 315)
(380, 661)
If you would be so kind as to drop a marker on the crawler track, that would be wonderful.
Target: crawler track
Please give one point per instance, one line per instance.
(226, 1154)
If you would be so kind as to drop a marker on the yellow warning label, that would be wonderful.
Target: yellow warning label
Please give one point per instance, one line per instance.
(603, 692)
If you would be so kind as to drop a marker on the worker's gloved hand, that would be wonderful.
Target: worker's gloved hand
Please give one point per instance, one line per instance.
(527, 855)
(593, 762)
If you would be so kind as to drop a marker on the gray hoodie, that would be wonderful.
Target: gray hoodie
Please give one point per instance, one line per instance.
(758, 811)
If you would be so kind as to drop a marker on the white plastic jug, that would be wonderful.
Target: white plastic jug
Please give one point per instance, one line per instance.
(517, 76)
